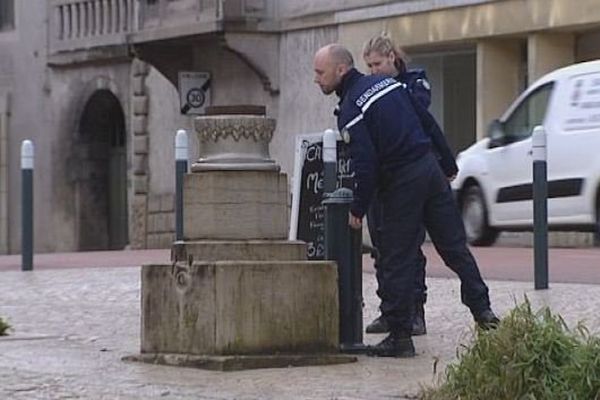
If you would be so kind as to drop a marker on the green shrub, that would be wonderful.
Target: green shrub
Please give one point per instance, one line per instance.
(532, 355)
(4, 327)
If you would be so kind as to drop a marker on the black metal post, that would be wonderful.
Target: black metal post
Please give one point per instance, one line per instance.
(343, 245)
(181, 167)
(27, 205)
(540, 208)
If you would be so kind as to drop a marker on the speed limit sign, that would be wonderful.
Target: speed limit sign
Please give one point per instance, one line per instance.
(194, 92)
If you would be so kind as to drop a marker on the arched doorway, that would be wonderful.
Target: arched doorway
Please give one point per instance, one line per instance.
(102, 180)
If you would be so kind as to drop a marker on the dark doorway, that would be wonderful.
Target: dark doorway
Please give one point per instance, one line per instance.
(102, 179)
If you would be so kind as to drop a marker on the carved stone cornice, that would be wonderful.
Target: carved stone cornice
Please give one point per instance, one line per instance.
(239, 127)
(234, 142)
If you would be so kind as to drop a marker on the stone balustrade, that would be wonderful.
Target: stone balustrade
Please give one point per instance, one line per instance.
(88, 24)
(81, 24)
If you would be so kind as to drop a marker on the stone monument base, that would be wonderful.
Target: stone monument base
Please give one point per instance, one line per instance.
(238, 363)
(241, 308)
(248, 250)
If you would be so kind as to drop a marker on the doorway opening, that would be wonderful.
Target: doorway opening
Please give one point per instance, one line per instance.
(101, 187)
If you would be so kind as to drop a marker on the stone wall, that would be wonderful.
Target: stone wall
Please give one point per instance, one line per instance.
(161, 221)
(4, 115)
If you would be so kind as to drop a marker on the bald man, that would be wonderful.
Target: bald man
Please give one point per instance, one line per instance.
(391, 156)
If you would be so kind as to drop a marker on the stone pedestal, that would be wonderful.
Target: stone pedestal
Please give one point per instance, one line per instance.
(235, 205)
(237, 294)
(250, 250)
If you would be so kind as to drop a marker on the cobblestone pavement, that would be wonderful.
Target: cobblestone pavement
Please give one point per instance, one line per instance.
(72, 326)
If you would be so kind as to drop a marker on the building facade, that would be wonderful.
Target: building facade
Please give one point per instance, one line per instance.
(93, 83)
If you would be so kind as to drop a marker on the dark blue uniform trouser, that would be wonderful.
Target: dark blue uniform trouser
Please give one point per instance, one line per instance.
(413, 196)
(374, 224)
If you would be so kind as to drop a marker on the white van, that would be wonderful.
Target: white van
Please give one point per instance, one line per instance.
(494, 184)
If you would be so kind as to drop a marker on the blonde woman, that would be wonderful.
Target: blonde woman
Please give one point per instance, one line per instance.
(383, 57)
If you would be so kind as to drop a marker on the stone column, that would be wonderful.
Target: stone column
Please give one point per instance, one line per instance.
(139, 126)
(547, 51)
(498, 77)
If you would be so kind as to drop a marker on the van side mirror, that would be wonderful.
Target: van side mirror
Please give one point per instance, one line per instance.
(496, 133)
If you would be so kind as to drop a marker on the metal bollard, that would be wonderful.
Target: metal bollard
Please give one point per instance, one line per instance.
(181, 167)
(540, 208)
(343, 245)
(329, 161)
(27, 205)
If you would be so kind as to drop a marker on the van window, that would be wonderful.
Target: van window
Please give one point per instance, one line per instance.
(583, 106)
(530, 113)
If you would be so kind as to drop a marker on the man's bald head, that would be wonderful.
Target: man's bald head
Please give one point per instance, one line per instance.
(339, 54)
(331, 63)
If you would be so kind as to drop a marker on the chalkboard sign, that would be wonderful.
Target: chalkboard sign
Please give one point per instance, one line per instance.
(307, 222)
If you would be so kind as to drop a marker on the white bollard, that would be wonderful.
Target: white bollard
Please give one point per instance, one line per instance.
(329, 161)
(181, 168)
(27, 205)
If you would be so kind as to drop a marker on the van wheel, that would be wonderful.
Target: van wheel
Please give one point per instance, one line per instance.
(475, 218)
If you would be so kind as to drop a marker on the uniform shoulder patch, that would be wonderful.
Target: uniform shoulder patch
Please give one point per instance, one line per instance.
(425, 83)
(345, 136)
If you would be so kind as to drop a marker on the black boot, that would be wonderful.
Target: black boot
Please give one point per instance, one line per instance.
(486, 319)
(397, 344)
(379, 325)
(418, 324)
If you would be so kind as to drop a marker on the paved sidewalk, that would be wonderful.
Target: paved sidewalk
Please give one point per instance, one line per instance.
(88, 259)
(499, 263)
(72, 326)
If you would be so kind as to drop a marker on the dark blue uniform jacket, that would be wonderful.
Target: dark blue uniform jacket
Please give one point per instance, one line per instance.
(378, 120)
(418, 86)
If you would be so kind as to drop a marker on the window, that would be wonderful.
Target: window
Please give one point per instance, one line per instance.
(528, 114)
(7, 15)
